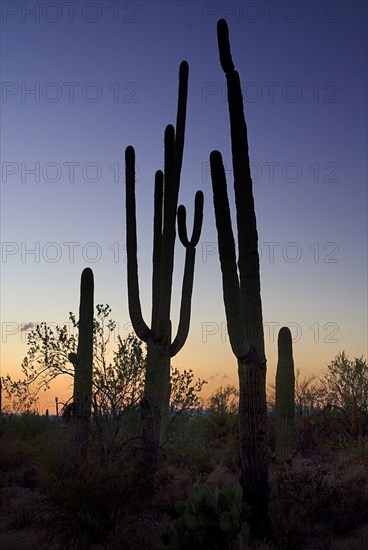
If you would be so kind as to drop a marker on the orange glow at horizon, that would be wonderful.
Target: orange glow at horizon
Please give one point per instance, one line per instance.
(210, 359)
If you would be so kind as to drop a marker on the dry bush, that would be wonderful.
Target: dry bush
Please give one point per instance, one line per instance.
(14, 453)
(317, 433)
(313, 500)
(22, 441)
(355, 451)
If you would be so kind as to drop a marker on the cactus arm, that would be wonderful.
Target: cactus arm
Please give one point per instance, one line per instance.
(174, 147)
(168, 237)
(239, 138)
(246, 220)
(224, 46)
(226, 244)
(180, 122)
(169, 189)
(157, 246)
(185, 306)
(182, 225)
(198, 218)
(197, 224)
(187, 288)
(134, 304)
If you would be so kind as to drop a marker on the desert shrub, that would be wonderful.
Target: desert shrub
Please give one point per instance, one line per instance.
(222, 437)
(26, 427)
(22, 519)
(22, 441)
(317, 433)
(63, 451)
(90, 499)
(14, 453)
(355, 450)
(316, 500)
(194, 457)
(60, 458)
(94, 485)
(202, 443)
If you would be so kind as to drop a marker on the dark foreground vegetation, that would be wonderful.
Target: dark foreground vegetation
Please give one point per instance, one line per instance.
(58, 493)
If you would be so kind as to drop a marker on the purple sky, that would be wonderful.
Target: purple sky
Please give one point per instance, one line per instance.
(104, 76)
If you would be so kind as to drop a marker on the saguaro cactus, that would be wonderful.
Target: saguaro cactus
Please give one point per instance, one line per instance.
(241, 293)
(83, 359)
(160, 347)
(285, 401)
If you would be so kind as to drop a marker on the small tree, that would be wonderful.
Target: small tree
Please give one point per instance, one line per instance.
(184, 392)
(306, 393)
(118, 380)
(117, 383)
(19, 396)
(224, 400)
(344, 387)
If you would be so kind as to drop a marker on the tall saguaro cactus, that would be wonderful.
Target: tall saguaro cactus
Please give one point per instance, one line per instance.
(160, 346)
(83, 360)
(241, 293)
(285, 401)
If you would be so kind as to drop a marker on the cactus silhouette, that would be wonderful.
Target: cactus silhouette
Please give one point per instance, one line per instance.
(83, 359)
(241, 293)
(285, 402)
(160, 346)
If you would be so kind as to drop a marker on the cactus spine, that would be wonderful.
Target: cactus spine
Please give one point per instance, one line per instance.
(160, 346)
(285, 402)
(241, 293)
(83, 360)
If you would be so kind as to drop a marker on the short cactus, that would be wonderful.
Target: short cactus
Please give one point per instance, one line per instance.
(285, 402)
(83, 359)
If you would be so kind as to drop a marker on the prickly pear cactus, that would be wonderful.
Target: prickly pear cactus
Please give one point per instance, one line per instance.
(214, 519)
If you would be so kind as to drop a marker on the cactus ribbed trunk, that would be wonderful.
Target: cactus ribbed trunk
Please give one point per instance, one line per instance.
(160, 347)
(242, 296)
(83, 360)
(285, 400)
(155, 402)
(253, 439)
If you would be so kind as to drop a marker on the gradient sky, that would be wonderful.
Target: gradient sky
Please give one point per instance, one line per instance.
(104, 76)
